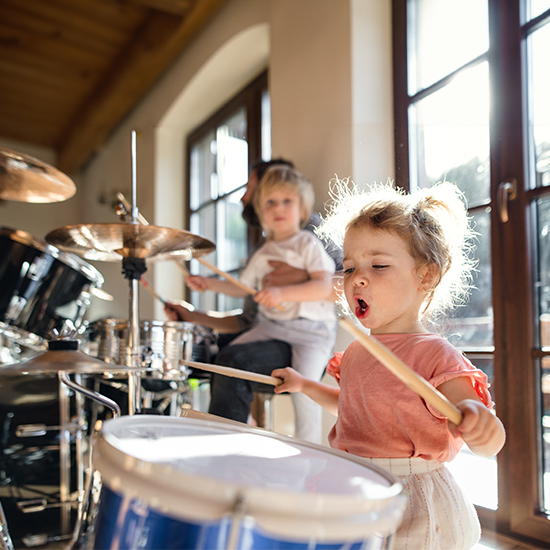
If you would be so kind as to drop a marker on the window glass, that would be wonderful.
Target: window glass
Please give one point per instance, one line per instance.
(536, 7)
(203, 222)
(545, 431)
(203, 163)
(478, 476)
(450, 135)
(231, 235)
(447, 34)
(266, 126)
(232, 153)
(539, 106)
(470, 326)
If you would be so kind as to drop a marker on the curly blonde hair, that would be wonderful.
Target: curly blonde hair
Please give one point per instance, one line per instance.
(433, 223)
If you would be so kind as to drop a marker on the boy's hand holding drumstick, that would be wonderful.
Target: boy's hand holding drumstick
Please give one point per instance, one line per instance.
(231, 285)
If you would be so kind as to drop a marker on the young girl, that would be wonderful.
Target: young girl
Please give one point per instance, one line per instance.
(405, 257)
(307, 319)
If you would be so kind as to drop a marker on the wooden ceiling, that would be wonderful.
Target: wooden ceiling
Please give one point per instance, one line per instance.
(70, 70)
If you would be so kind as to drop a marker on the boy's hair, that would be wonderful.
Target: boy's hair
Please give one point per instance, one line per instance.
(433, 223)
(261, 166)
(281, 176)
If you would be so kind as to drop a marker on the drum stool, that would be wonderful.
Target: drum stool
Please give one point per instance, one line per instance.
(262, 409)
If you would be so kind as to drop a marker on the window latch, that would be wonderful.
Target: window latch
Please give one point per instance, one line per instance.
(507, 191)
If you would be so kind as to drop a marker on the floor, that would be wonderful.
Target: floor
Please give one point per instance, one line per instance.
(492, 541)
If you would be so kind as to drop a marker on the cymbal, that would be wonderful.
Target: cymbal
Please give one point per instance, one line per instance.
(71, 361)
(109, 242)
(26, 179)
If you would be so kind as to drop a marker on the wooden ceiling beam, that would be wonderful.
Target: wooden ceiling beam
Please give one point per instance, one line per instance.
(149, 55)
(174, 7)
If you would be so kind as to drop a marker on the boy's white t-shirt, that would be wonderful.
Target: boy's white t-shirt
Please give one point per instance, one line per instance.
(302, 251)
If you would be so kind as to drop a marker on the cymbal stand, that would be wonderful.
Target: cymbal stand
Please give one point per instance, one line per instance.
(133, 269)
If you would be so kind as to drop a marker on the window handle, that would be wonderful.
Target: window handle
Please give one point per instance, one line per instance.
(507, 191)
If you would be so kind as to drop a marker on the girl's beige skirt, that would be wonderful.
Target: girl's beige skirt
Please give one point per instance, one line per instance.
(438, 515)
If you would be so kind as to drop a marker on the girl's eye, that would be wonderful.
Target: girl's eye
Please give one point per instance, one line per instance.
(349, 270)
(378, 266)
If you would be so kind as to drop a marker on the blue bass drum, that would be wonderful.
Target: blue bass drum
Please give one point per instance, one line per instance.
(173, 483)
(42, 289)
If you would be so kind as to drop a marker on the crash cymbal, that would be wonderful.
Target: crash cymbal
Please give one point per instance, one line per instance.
(26, 179)
(65, 356)
(109, 242)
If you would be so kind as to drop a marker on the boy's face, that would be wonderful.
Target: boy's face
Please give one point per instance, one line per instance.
(281, 212)
(383, 287)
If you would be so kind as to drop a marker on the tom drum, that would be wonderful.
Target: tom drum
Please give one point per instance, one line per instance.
(42, 289)
(162, 344)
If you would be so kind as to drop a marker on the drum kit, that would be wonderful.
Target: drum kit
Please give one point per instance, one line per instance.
(144, 480)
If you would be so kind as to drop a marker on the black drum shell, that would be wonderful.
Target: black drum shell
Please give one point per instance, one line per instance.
(41, 288)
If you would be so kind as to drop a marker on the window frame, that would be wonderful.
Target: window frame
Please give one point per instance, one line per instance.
(251, 98)
(516, 384)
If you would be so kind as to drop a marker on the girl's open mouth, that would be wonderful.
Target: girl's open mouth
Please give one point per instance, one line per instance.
(361, 309)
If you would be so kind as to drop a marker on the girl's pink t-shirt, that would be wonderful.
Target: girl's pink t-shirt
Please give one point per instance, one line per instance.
(380, 417)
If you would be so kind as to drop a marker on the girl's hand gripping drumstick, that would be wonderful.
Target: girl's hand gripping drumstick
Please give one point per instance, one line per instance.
(410, 378)
(231, 279)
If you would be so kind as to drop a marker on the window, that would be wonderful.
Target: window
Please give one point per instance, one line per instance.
(471, 106)
(220, 153)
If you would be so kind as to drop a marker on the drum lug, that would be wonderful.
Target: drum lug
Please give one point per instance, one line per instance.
(15, 307)
(37, 430)
(237, 515)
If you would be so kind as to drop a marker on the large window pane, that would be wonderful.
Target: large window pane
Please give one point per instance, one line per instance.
(539, 106)
(447, 34)
(541, 215)
(450, 135)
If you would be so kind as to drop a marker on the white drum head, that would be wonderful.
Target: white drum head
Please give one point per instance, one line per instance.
(190, 468)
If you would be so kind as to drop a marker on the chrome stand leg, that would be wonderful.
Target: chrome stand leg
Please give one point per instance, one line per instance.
(5, 539)
(64, 458)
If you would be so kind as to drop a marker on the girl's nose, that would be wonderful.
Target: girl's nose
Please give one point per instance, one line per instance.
(359, 278)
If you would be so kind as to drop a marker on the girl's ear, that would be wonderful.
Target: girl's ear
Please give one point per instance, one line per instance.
(429, 277)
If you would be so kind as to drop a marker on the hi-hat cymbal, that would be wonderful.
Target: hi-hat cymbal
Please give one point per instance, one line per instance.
(71, 361)
(26, 179)
(109, 242)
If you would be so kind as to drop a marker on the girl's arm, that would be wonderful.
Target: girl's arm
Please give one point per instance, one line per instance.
(481, 430)
(200, 283)
(317, 287)
(322, 394)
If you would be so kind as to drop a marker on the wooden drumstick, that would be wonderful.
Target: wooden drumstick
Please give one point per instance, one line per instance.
(409, 377)
(235, 373)
(231, 279)
(183, 269)
(148, 286)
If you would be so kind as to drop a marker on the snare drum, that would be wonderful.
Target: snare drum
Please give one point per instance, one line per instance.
(176, 483)
(42, 289)
(162, 344)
